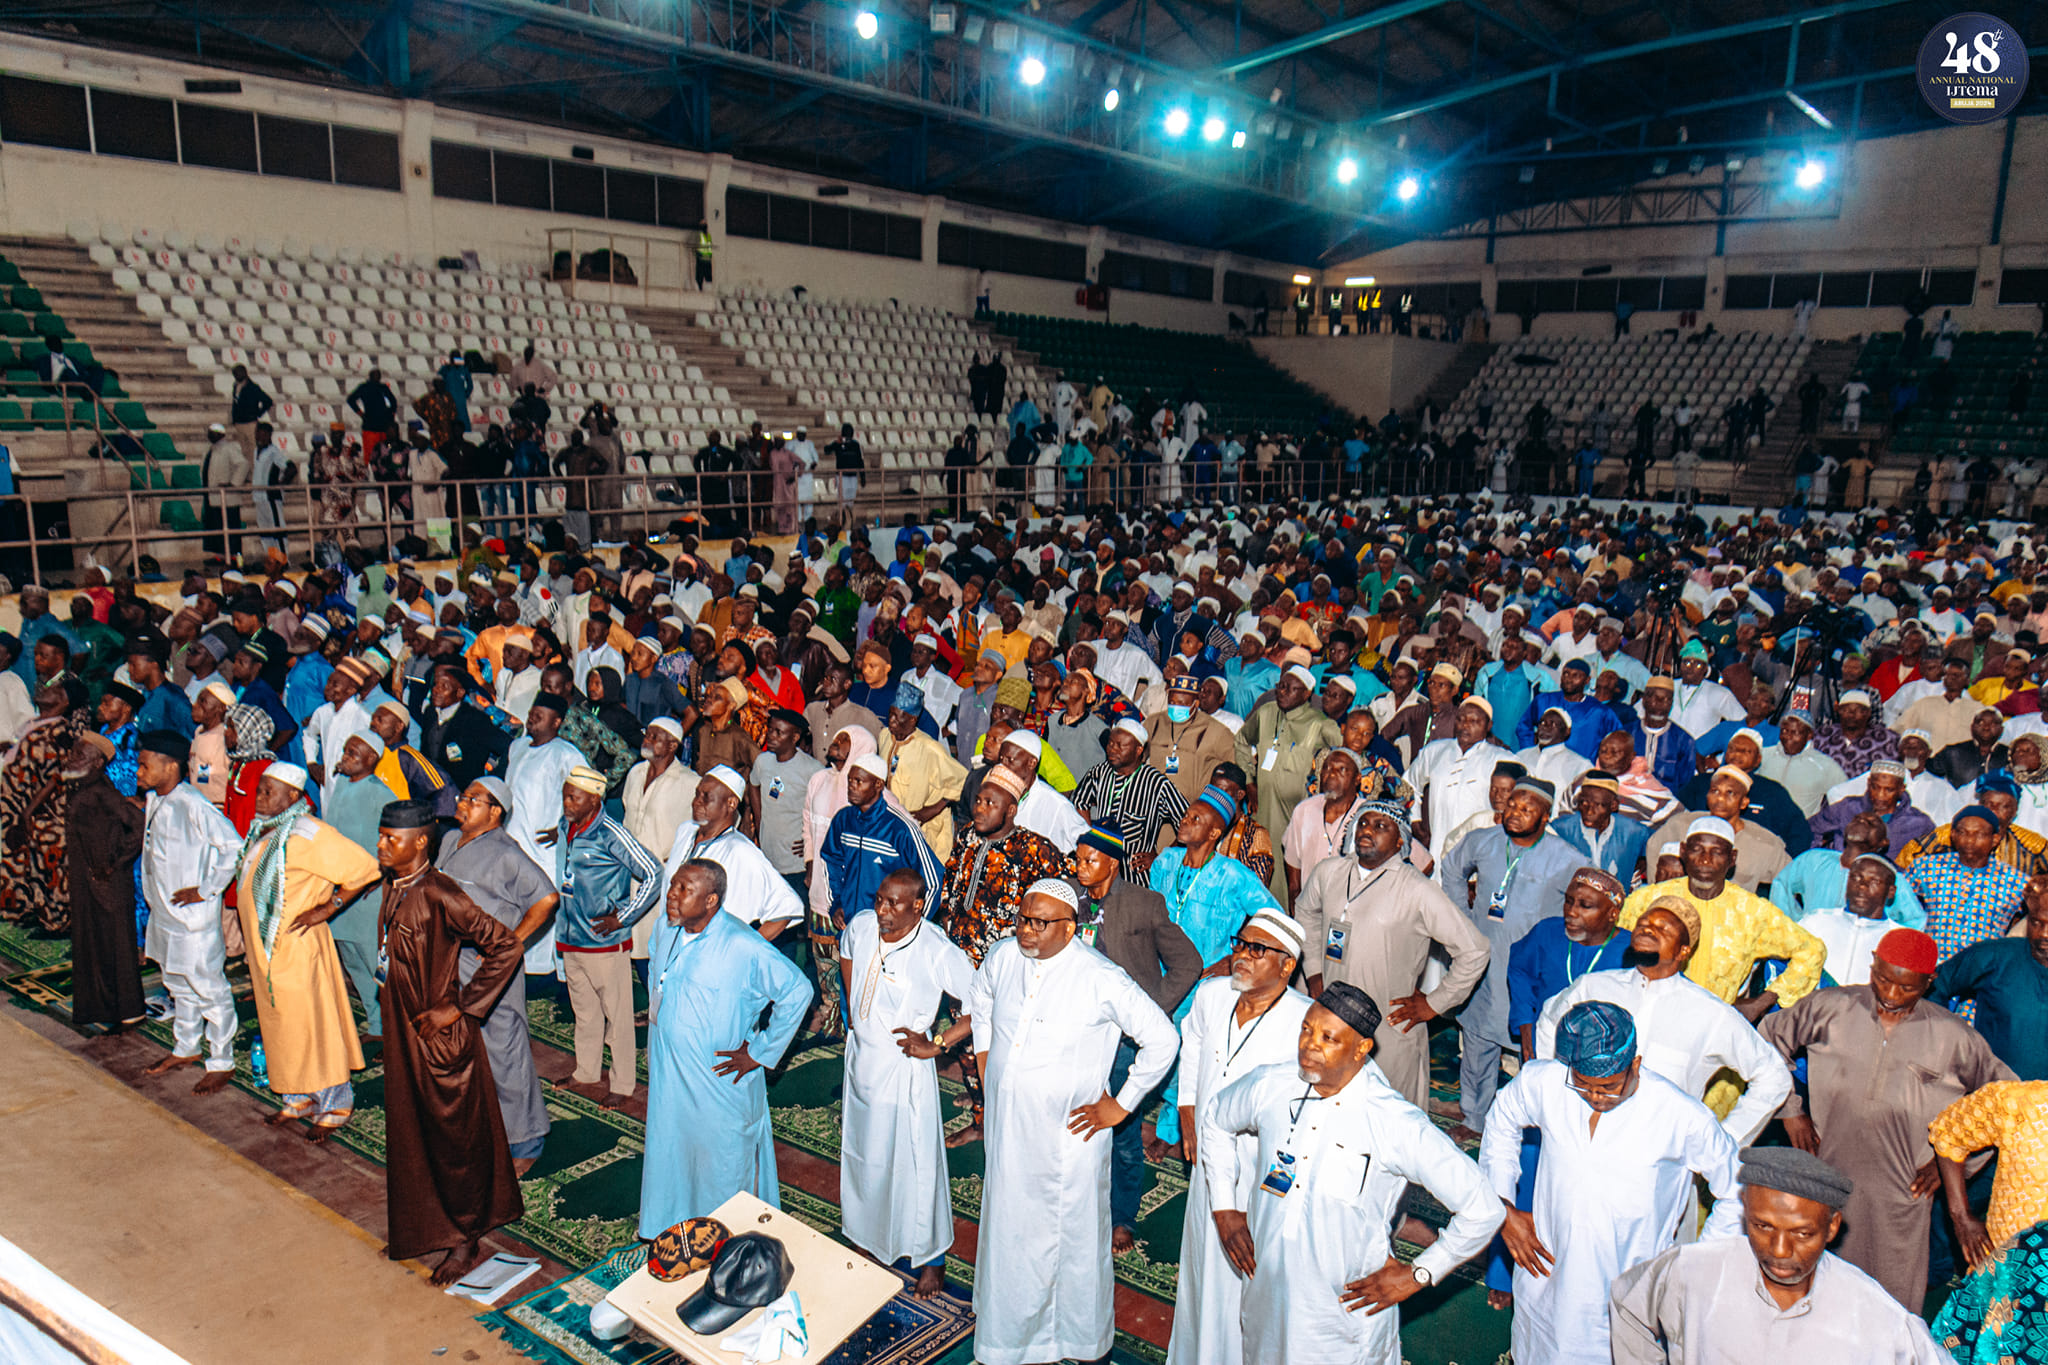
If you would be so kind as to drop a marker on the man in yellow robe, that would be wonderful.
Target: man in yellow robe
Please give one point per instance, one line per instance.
(924, 777)
(296, 874)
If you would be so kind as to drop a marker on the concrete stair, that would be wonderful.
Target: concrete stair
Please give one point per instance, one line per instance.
(154, 372)
(775, 408)
(1457, 376)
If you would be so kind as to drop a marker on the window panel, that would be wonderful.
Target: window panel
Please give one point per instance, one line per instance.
(222, 138)
(1748, 291)
(1788, 289)
(523, 182)
(462, 172)
(140, 126)
(44, 114)
(789, 220)
(1951, 288)
(295, 148)
(868, 232)
(1845, 289)
(681, 202)
(906, 237)
(629, 196)
(367, 158)
(746, 213)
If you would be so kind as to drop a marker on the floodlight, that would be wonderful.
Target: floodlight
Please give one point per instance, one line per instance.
(866, 24)
(1031, 71)
(1212, 129)
(1237, 139)
(1347, 171)
(1176, 122)
(1110, 100)
(1810, 173)
(1408, 188)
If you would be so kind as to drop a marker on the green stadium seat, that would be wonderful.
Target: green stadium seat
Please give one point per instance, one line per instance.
(131, 415)
(9, 272)
(51, 326)
(15, 325)
(26, 297)
(11, 418)
(159, 444)
(177, 515)
(78, 351)
(185, 475)
(46, 412)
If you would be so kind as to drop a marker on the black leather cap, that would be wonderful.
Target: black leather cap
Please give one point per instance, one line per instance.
(750, 1271)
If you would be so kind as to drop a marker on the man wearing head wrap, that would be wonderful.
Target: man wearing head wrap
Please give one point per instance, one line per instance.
(1507, 879)
(296, 873)
(1685, 1033)
(1184, 742)
(1621, 1146)
(1372, 922)
(1234, 1026)
(1452, 776)
(539, 763)
(1043, 1284)
(1738, 928)
(1882, 1062)
(1776, 1293)
(449, 1176)
(103, 832)
(1279, 745)
(1310, 1200)
(924, 777)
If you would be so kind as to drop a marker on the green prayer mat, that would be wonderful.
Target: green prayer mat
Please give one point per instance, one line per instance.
(19, 947)
(583, 1196)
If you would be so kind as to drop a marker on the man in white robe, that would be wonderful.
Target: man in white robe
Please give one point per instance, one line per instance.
(756, 894)
(1041, 809)
(1336, 1148)
(188, 859)
(1047, 1014)
(537, 766)
(1620, 1148)
(1453, 777)
(1119, 663)
(895, 1196)
(657, 795)
(1237, 1024)
(1685, 1032)
(341, 715)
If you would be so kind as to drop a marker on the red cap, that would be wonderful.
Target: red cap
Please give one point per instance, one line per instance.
(1910, 950)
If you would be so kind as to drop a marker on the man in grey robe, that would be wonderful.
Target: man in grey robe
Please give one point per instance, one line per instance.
(1372, 922)
(1881, 1062)
(510, 887)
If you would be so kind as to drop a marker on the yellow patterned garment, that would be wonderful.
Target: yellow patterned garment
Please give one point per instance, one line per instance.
(2013, 1117)
(1738, 929)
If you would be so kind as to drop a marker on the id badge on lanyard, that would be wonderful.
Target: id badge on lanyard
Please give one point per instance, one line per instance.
(1279, 1178)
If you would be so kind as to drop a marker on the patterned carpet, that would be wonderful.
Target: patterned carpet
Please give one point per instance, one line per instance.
(583, 1198)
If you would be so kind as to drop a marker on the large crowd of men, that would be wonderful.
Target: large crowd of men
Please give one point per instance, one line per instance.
(1719, 852)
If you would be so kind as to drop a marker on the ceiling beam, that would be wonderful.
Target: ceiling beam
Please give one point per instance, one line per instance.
(1329, 33)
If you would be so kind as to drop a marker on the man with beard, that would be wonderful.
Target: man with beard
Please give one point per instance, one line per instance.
(1046, 1015)
(1235, 1026)
(1373, 922)
(102, 839)
(1279, 744)
(1336, 1151)
(449, 1174)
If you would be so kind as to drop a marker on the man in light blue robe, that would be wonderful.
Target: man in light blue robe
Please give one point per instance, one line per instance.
(708, 978)
(355, 810)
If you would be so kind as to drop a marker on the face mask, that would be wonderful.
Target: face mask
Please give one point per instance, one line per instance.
(1180, 715)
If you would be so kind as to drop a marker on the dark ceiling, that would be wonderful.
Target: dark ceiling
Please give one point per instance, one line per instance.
(1491, 104)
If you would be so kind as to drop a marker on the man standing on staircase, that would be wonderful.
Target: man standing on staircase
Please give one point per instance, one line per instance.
(248, 404)
(225, 465)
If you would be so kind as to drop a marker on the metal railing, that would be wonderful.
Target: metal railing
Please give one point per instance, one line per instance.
(663, 268)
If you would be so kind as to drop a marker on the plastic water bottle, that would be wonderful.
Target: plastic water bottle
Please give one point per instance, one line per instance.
(257, 1065)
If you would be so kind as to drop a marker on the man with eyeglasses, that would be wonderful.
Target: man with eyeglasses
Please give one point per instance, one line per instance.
(1237, 1024)
(1620, 1147)
(1047, 1013)
(1306, 1219)
(1685, 1032)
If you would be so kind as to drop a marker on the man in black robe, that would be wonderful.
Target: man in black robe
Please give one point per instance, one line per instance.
(449, 1173)
(102, 840)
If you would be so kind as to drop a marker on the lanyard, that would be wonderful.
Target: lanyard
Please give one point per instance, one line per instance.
(1497, 908)
(1230, 1055)
(1571, 973)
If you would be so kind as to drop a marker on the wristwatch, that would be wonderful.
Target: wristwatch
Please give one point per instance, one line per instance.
(1422, 1275)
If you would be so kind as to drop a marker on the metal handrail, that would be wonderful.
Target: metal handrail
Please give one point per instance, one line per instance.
(643, 253)
(104, 420)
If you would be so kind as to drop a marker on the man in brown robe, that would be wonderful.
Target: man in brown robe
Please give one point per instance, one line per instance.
(449, 1171)
(1882, 1061)
(103, 837)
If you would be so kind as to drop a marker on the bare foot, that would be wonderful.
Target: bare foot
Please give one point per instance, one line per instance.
(1121, 1240)
(282, 1117)
(1500, 1300)
(212, 1083)
(522, 1164)
(589, 1090)
(931, 1282)
(614, 1100)
(971, 1133)
(456, 1262)
(169, 1064)
(1460, 1133)
(1155, 1150)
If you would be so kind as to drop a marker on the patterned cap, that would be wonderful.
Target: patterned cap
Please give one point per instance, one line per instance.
(1596, 1038)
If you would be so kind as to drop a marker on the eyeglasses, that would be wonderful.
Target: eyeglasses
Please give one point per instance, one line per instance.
(1254, 948)
(1041, 925)
(1597, 1097)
